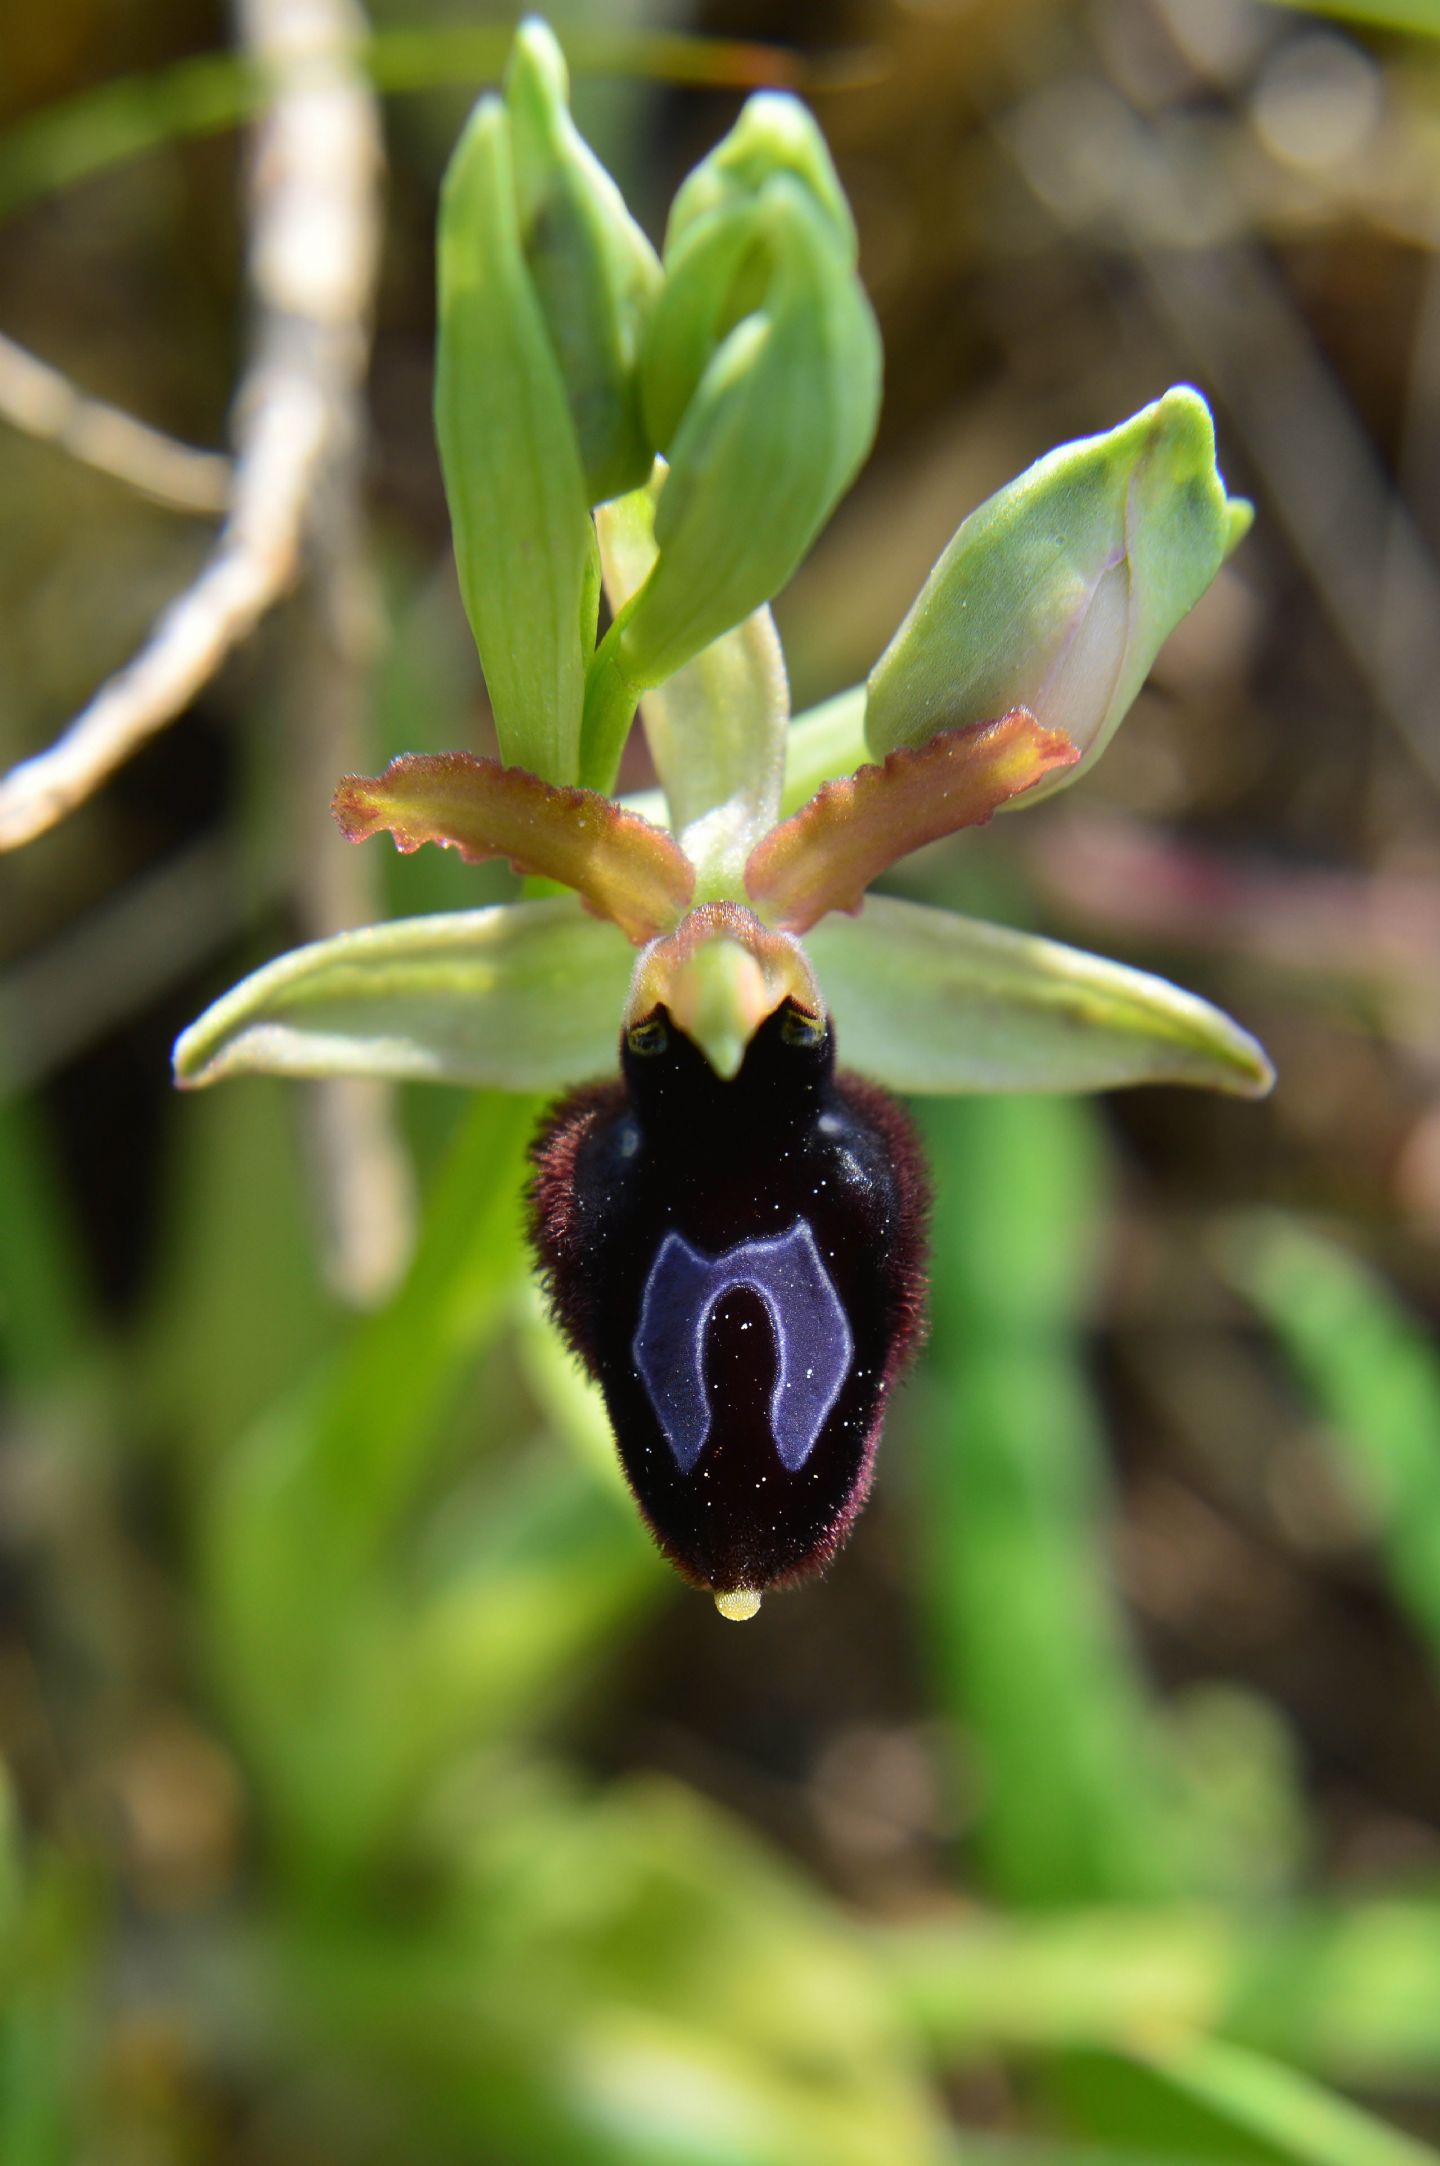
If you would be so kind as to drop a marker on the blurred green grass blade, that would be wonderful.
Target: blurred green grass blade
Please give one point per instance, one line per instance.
(237, 1311)
(1027, 2151)
(1026, 1635)
(519, 1597)
(1351, 1991)
(299, 1519)
(1373, 1371)
(102, 128)
(405, 1360)
(1420, 16)
(1207, 2100)
(47, 1326)
(37, 2087)
(634, 1980)
(353, 1457)
(546, 1577)
(552, 1572)
(48, 1923)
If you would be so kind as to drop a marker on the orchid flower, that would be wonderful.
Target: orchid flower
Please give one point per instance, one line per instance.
(731, 1231)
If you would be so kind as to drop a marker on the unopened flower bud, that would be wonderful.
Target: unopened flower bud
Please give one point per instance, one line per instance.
(595, 274)
(761, 379)
(1058, 593)
(545, 284)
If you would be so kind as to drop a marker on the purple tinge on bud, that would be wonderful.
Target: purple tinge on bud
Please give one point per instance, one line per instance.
(1058, 592)
(740, 1264)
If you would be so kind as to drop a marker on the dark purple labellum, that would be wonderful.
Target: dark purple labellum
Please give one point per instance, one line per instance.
(741, 1266)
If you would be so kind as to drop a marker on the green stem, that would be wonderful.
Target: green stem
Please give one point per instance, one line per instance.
(611, 698)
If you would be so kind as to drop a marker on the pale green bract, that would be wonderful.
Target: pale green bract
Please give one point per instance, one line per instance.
(688, 427)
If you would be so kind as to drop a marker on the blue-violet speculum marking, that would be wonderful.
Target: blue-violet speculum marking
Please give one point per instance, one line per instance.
(740, 1263)
(811, 1340)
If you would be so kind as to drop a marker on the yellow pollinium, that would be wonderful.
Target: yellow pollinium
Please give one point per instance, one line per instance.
(738, 1604)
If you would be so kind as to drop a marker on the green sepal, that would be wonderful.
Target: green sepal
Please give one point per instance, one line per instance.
(1058, 593)
(924, 1000)
(595, 275)
(519, 507)
(522, 996)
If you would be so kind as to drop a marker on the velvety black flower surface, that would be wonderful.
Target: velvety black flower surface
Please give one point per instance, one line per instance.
(740, 1264)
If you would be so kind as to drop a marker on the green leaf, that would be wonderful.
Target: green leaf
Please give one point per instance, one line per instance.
(1351, 1990)
(524, 542)
(1374, 1373)
(774, 134)
(1206, 2100)
(1058, 593)
(595, 274)
(925, 1000)
(717, 728)
(772, 432)
(522, 996)
(1421, 17)
(1077, 1799)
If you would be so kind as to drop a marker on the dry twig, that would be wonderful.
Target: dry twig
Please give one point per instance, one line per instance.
(313, 260)
(44, 403)
(312, 264)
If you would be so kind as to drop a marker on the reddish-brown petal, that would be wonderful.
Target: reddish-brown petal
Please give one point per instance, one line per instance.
(621, 867)
(826, 855)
